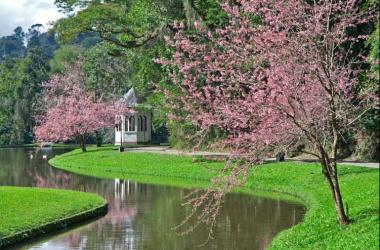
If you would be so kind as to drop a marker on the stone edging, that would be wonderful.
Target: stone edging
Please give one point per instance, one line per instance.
(53, 226)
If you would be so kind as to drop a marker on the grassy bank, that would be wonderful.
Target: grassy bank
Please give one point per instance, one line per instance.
(319, 230)
(30, 212)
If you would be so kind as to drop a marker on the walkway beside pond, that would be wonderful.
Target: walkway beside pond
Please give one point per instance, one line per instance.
(168, 150)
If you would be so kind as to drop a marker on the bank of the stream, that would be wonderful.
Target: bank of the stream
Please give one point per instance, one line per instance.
(319, 230)
(26, 213)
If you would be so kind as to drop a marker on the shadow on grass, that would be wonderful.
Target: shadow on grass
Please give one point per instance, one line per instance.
(89, 151)
(348, 170)
(373, 212)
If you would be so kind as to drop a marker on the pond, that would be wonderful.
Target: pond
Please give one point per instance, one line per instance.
(142, 216)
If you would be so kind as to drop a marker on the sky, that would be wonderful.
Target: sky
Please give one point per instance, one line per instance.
(24, 13)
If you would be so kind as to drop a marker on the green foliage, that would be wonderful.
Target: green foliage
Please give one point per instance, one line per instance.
(22, 72)
(90, 19)
(367, 147)
(7, 85)
(36, 39)
(319, 229)
(108, 76)
(20, 92)
(144, 72)
(211, 12)
(33, 70)
(374, 56)
(13, 45)
(65, 55)
(126, 25)
(179, 135)
(367, 137)
(143, 16)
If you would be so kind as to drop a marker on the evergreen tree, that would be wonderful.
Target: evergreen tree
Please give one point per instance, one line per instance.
(13, 45)
(32, 72)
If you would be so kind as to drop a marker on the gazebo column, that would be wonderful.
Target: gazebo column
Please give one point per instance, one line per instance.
(136, 123)
(122, 132)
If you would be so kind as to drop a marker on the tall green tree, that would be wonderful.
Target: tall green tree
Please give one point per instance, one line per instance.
(36, 38)
(32, 71)
(8, 69)
(13, 45)
(65, 55)
(107, 75)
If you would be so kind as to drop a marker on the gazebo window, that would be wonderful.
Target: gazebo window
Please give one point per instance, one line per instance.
(118, 126)
(140, 123)
(131, 124)
(145, 125)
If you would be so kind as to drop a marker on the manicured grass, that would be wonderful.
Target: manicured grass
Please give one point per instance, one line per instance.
(107, 160)
(23, 209)
(319, 230)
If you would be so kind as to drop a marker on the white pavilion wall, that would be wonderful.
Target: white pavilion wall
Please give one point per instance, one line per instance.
(134, 137)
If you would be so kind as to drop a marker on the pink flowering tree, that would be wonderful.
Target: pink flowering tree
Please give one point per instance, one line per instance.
(71, 111)
(280, 73)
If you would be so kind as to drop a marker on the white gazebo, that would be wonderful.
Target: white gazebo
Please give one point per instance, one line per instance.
(134, 128)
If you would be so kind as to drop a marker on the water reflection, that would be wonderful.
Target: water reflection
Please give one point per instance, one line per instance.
(142, 216)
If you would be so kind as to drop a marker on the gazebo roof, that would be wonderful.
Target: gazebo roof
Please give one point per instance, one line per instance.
(130, 98)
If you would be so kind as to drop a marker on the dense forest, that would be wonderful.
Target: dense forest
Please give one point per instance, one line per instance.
(118, 41)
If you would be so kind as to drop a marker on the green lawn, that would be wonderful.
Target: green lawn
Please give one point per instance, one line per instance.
(23, 209)
(319, 230)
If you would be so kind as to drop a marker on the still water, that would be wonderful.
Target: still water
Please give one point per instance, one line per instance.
(142, 216)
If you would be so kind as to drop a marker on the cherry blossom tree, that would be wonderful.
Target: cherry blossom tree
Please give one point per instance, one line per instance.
(71, 111)
(280, 73)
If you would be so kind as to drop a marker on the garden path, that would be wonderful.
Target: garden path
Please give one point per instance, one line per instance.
(168, 150)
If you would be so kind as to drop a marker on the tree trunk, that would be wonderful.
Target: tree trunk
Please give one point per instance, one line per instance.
(98, 139)
(330, 172)
(190, 13)
(82, 142)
